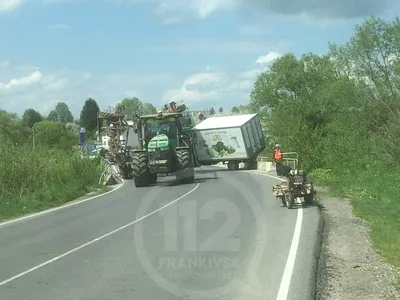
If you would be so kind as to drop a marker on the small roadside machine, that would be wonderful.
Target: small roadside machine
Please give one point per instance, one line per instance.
(296, 184)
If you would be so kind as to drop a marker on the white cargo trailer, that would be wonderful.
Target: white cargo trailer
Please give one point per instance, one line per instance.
(229, 139)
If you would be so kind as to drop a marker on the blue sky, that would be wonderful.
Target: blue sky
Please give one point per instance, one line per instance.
(205, 52)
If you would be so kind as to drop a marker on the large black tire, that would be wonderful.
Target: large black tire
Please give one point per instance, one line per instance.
(127, 172)
(289, 200)
(141, 174)
(233, 165)
(184, 168)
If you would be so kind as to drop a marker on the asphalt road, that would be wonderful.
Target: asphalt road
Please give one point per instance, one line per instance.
(221, 237)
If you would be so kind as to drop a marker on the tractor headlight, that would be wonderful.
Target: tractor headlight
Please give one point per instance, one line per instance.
(151, 150)
(164, 148)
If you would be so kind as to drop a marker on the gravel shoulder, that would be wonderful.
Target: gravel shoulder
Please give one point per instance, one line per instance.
(349, 267)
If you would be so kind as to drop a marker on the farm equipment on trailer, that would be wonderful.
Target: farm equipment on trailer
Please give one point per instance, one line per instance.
(118, 153)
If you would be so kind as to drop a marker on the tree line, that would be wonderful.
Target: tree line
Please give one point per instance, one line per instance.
(61, 114)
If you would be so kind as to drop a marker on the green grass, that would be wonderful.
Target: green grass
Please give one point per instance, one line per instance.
(34, 180)
(374, 196)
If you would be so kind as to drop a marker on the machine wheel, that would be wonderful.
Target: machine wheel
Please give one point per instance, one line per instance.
(141, 173)
(233, 165)
(309, 198)
(185, 169)
(125, 172)
(281, 200)
(289, 200)
(252, 165)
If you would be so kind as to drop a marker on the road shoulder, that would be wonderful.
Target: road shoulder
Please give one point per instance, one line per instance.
(349, 267)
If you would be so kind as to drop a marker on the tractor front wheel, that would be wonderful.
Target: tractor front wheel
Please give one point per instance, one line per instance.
(185, 169)
(141, 174)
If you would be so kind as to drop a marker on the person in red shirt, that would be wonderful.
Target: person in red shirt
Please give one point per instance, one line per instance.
(278, 159)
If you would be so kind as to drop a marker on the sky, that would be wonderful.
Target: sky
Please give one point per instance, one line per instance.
(207, 53)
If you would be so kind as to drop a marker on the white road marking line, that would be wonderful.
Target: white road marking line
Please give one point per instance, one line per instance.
(47, 211)
(288, 272)
(93, 241)
(289, 267)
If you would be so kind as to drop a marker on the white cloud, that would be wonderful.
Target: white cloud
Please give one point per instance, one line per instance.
(198, 87)
(208, 87)
(57, 84)
(23, 81)
(218, 87)
(327, 10)
(268, 58)
(9, 5)
(43, 89)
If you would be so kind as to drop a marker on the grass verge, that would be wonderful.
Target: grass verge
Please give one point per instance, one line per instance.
(34, 180)
(374, 197)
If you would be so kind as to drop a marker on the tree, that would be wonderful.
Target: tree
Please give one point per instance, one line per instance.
(299, 99)
(61, 113)
(31, 117)
(132, 107)
(235, 110)
(11, 129)
(212, 111)
(371, 59)
(89, 112)
(54, 135)
(221, 110)
(149, 109)
(52, 116)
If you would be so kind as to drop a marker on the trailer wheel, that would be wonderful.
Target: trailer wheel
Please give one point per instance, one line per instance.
(233, 165)
(141, 174)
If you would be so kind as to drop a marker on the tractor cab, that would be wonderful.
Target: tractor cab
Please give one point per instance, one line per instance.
(161, 130)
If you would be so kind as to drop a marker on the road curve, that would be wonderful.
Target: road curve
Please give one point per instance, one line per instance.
(222, 237)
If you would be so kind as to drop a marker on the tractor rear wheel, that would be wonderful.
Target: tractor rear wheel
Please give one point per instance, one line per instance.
(185, 169)
(141, 174)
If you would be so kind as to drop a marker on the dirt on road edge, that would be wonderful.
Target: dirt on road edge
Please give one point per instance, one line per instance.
(349, 267)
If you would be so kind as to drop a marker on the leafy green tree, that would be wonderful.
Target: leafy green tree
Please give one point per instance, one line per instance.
(132, 107)
(221, 110)
(212, 111)
(61, 113)
(371, 59)
(11, 129)
(31, 117)
(54, 135)
(89, 112)
(52, 116)
(149, 109)
(235, 110)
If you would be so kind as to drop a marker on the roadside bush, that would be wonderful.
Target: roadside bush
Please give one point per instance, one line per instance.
(32, 180)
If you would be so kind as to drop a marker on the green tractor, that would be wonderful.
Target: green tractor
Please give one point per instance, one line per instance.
(165, 147)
